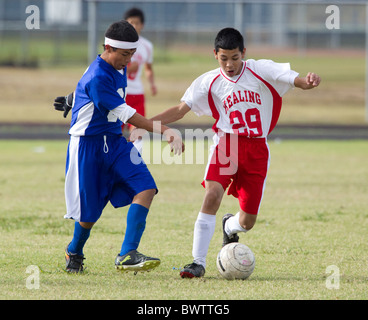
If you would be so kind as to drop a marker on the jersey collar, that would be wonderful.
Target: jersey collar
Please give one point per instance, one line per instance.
(235, 78)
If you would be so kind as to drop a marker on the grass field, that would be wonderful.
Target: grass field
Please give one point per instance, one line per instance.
(314, 215)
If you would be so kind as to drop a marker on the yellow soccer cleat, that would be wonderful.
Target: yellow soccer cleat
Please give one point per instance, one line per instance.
(136, 262)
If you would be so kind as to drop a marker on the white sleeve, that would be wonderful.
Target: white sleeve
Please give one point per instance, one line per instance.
(279, 75)
(196, 97)
(123, 112)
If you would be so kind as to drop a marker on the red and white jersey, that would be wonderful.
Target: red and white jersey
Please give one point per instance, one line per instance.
(143, 55)
(248, 104)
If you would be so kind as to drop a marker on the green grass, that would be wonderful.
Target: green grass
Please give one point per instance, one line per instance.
(313, 215)
(40, 51)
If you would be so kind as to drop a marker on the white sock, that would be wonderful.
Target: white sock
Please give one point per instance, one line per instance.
(232, 225)
(204, 228)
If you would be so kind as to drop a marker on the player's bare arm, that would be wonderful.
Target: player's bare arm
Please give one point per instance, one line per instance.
(150, 77)
(310, 81)
(172, 114)
(175, 141)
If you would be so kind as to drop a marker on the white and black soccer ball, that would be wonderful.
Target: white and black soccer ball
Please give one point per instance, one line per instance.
(235, 261)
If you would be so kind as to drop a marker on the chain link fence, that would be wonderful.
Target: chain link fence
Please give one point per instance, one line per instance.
(49, 32)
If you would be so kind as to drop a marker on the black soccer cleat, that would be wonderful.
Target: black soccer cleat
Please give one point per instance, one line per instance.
(226, 239)
(74, 262)
(135, 261)
(192, 270)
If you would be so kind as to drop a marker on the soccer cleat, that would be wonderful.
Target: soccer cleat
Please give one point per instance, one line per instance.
(192, 270)
(135, 261)
(74, 262)
(226, 239)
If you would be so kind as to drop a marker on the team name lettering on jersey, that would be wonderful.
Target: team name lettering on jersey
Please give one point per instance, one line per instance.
(241, 96)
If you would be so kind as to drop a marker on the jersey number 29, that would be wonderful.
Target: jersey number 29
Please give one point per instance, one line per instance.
(249, 125)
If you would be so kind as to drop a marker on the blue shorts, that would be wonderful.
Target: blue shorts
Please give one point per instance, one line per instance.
(100, 169)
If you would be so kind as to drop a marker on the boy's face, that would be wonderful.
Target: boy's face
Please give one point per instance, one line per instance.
(230, 61)
(118, 58)
(136, 23)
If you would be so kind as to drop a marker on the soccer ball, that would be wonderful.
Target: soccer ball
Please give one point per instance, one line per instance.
(235, 261)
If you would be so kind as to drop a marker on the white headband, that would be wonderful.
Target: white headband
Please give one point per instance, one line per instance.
(121, 44)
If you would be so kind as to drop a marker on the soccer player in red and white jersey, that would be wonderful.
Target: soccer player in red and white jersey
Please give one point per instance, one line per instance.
(244, 97)
(142, 59)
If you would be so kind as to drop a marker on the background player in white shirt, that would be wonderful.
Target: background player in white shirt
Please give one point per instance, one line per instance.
(244, 98)
(142, 59)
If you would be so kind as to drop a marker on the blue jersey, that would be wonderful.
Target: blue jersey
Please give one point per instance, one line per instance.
(100, 90)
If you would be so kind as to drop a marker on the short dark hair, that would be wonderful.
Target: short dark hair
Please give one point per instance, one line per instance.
(229, 39)
(123, 31)
(134, 12)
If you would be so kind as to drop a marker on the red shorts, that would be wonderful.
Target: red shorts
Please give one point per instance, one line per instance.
(242, 164)
(136, 101)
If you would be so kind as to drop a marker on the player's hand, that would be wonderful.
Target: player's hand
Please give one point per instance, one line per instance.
(61, 105)
(136, 134)
(153, 89)
(64, 104)
(312, 79)
(175, 141)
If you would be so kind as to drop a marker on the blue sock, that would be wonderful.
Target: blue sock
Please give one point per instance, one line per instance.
(136, 223)
(79, 239)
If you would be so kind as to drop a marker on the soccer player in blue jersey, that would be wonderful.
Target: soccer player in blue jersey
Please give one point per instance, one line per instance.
(101, 165)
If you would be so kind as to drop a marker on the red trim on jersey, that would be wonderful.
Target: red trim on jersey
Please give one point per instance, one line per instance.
(277, 101)
(212, 105)
(224, 75)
